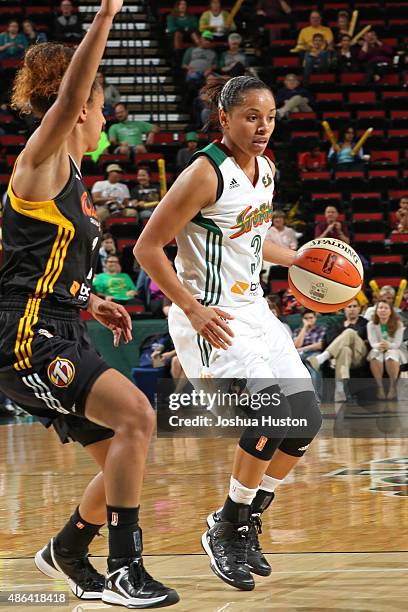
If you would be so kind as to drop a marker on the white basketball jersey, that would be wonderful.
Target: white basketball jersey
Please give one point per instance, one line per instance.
(219, 255)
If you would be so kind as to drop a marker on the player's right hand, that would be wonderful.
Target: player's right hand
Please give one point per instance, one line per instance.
(211, 324)
(110, 8)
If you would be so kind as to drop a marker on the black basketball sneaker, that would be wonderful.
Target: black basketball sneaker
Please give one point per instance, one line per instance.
(128, 584)
(256, 561)
(227, 546)
(82, 578)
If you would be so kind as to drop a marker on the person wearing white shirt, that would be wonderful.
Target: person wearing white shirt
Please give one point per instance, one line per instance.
(279, 234)
(111, 195)
(385, 336)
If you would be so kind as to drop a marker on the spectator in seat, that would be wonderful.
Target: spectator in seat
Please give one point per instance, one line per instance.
(375, 56)
(346, 344)
(234, 61)
(402, 216)
(290, 305)
(115, 285)
(182, 25)
(305, 38)
(68, 26)
(403, 208)
(313, 160)
(345, 59)
(318, 58)
(186, 153)
(127, 135)
(32, 34)
(308, 340)
(386, 294)
(144, 193)
(293, 98)
(110, 196)
(200, 61)
(108, 247)
(402, 226)
(12, 43)
(385, 336)
(215, 20)
(342, 25)
(281, 234)
(331, 227)
(273, 9)
(344, 159)
(110, 92)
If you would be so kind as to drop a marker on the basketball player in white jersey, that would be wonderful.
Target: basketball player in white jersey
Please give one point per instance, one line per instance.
(219, 210)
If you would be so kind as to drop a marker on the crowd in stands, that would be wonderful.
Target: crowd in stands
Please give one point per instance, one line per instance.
(204, 45)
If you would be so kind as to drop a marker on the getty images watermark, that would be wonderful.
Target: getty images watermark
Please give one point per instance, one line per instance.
(214, 408)
(211, 402)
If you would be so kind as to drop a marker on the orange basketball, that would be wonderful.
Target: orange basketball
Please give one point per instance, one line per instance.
(326, 275)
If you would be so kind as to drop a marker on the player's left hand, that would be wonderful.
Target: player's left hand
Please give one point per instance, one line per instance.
(113, 316)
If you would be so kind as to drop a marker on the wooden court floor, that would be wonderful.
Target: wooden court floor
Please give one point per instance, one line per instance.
(336, 534)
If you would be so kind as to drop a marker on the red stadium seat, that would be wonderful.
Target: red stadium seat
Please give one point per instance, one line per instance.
(278, 285)
(362, 97)
(286, 62)
(385, 158)
(352, 78)
(369, 237)
(322, 78)
(122, 242)
(386, 259)
(399, 238)
(393, 281)
(374, 216)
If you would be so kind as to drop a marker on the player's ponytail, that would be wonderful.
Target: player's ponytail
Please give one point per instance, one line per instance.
(37, 83)
(227, 93)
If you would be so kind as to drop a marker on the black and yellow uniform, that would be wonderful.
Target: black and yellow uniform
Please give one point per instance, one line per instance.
(47, 364)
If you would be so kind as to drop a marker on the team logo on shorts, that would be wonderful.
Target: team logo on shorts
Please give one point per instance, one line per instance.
(61, 372)
(261, 443)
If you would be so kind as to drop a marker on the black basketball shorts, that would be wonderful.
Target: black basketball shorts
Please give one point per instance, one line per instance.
(48, 366)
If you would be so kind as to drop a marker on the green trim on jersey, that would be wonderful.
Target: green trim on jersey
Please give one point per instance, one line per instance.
(215, 153)
(205, 350)
(213, 259)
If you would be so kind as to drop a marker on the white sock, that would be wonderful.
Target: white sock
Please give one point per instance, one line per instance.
(323, 357)
(241, 494)
(269, 483)
(339, 386)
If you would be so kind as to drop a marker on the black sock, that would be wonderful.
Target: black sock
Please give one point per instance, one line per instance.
(125, 537)
(262, 501)
(75, 537)
(235, 513)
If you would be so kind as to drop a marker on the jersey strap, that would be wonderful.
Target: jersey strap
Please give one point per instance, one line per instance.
(216, 157)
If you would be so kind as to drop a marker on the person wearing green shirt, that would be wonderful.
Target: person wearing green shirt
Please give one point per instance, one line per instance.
(114, 284)
(129, 134)
(182, 25)
(12, 42)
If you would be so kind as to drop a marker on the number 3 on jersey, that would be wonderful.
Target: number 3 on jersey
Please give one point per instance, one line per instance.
(256, 244)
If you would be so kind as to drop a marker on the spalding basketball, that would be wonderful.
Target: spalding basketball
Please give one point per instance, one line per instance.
(326, 274)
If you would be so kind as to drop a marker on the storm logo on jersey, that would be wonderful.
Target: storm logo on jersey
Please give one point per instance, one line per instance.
(248, 218)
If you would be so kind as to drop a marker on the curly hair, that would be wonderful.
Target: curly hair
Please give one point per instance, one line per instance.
(393, 323)
(37, 83)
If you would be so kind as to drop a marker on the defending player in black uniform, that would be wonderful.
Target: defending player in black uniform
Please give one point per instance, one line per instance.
(51, 242)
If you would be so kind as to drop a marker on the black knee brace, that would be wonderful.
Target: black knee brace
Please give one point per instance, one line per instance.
(262, 440)
(303, 406)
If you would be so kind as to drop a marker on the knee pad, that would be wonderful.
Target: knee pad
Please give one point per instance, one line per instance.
(304, 406)
(262, 440)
